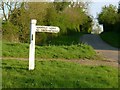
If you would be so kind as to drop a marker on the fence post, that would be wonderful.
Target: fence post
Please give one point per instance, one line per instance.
(32, 44)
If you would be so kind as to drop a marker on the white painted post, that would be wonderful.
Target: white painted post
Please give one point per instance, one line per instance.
(32, 45)
(33, 29)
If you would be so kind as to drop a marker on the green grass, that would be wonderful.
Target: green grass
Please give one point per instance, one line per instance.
(57, 74)
(111, 38)
(20, 50)
(0, 47)
(70, 39)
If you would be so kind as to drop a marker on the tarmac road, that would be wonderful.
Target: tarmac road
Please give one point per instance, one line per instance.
(100, 46)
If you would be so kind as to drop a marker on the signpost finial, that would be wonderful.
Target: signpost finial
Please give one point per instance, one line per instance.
(33, 21)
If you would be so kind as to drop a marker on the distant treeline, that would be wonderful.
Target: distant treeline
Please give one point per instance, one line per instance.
(110, 18)
(70, 17)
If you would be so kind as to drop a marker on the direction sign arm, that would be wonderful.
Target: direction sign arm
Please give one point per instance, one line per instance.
(48, 29)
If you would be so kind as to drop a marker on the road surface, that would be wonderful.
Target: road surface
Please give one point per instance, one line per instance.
(100, 46)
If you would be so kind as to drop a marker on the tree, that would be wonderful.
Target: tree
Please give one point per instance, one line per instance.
(60, 6)
(67, 18)
(108, 17)
(119, 7)
(8, 7)
(22, 16)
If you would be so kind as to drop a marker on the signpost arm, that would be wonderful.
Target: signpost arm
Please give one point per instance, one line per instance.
(32, 45)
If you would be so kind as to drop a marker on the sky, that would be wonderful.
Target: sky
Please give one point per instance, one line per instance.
(96, 5)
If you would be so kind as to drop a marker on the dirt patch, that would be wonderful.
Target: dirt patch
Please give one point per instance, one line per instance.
(112, 63)
(109, 54)
(105, 62)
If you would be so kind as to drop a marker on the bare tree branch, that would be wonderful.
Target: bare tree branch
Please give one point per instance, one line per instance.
(7, 8)
(3, 8)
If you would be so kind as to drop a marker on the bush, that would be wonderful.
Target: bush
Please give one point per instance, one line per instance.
(108, 37)
(10, 32)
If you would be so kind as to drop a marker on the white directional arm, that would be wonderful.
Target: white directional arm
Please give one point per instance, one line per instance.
(49, 29)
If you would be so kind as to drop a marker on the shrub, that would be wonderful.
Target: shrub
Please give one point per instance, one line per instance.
(10, 32)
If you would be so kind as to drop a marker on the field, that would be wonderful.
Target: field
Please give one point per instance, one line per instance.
(57, 74)
(53, 67)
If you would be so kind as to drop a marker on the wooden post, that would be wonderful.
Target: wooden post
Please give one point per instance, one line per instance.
(32, 45)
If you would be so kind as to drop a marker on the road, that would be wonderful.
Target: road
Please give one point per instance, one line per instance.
(100, 46)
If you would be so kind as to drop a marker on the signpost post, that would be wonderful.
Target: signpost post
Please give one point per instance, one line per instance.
(32, 45)
(33, 29)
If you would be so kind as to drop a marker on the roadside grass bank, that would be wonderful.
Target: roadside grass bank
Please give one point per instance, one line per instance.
(69, 39)
(57, 74)
(20, 50)
(111, 38)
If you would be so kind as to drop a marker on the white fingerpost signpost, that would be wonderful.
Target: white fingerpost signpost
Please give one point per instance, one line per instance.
(32, 45)
(33, 29)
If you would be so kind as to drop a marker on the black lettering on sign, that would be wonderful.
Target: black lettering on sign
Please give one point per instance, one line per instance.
(52, 28)
(32, 36)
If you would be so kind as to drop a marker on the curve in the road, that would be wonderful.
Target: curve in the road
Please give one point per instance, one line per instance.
(100, 46)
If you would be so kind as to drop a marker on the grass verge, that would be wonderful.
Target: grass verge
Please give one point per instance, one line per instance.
(111, 38)
(70, 39)
(20, 50)
(57, 74)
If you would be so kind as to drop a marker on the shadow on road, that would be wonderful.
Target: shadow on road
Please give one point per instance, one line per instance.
(96, 42)
(100, 46)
